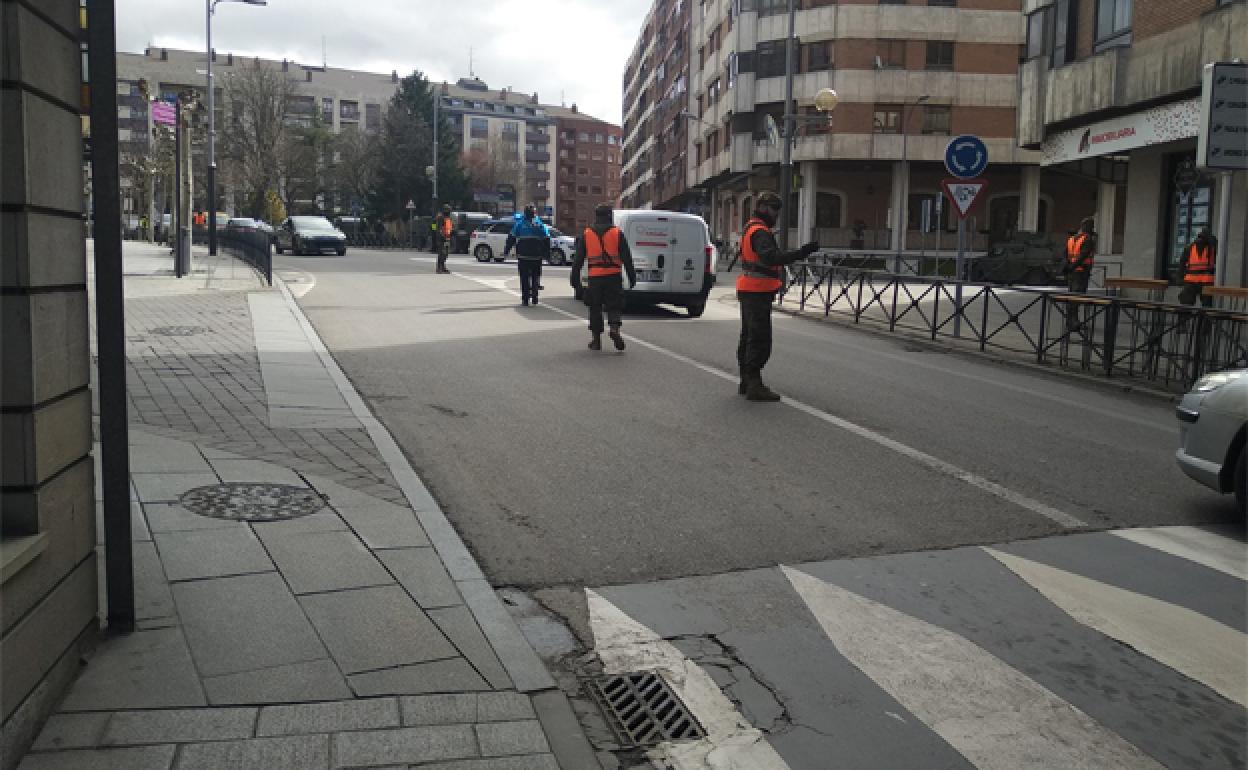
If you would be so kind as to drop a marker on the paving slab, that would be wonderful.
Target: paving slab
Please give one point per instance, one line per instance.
(461, 628)
(311, 418)
(303, 718)
(439, 676)
(168, 487)
(211, 553)
(131, 728)
(372, 628)
(420, 572)
(446, 709)
(404, 745)
(499, 739)
(172, 517)
(152, 598)
(301, 752)
(530, 762)
(504, 707)
(167, 457)
(378, 523)
(523, 665)
(145, 669)
(142, 758)
(316, 522)
(256, 471)
(324, 561)
(72, 731)
(317, 680)
(244, 623)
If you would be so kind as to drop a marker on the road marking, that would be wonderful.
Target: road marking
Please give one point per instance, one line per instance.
(935, 463)
(993, 715)
(1193, 644)
(1225, 554)
(302, 284)
(731, 742)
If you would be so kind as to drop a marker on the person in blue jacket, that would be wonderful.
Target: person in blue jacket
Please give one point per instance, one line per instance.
(531, 240)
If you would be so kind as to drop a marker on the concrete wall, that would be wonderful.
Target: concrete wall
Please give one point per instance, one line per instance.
(47, 558)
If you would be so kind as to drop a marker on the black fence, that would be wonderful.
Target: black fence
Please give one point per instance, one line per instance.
(253, 247)
(1165, 344)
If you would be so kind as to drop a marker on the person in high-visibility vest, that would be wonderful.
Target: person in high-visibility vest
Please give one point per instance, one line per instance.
(443, 228)
(1199, 268)
(762, 275)
(1080, 254)
(604, 249)
(531, 239)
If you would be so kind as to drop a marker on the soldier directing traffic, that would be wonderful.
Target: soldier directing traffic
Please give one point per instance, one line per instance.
(1199, 267)
(762, 268)
(605, 250)
(1080, 254)
(442, 229)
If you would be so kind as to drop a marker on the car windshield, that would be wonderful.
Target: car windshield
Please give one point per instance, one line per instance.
(312, 224)
(241, 222)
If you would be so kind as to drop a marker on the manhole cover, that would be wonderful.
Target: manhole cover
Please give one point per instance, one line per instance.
(177, 331)
(250, 501)
(642, 710)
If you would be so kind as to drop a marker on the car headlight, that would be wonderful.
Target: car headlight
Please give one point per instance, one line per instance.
(1216, 380)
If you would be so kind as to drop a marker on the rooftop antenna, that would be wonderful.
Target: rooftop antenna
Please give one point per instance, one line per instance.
(324, 60)
(563, 102)
(471, 74)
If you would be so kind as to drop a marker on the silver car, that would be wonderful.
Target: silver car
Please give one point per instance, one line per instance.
(1213, 420)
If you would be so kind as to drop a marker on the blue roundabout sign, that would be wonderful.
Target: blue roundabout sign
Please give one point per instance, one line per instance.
(966, 156)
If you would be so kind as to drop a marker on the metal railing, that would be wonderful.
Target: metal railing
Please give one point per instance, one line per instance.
(253, 247)
(1165, 344)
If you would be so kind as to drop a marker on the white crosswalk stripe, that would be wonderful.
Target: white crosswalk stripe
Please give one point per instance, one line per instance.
(1194, 544)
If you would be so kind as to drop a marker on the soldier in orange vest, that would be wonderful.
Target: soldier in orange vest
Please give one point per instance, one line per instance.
(1080, 253)
(762, 275)
(1199, 266)
(443, 228)
(603, 248)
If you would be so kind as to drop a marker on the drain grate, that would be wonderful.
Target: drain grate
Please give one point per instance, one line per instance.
(251, 501)
(177, 331)
(642, 710)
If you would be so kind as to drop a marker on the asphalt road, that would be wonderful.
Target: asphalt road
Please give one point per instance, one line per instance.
(560, 466)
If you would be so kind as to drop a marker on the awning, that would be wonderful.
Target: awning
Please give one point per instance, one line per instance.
(1158, 125)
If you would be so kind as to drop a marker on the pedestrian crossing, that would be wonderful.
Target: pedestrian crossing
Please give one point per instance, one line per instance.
(1124, 649)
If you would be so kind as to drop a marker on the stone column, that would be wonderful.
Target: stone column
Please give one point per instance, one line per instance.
(897, 205)
(1105, 195)
(1029, 199)
(48, 591)
(806, 202)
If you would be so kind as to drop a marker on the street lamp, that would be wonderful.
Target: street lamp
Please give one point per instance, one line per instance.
(211, 8)
(825, 101)
(905, 193)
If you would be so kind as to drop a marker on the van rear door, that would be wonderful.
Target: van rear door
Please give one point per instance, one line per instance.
(649, 239)
(687, 255)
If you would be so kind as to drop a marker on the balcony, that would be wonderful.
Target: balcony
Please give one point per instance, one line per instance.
(535, 156)
(536, 137)
(539, 176)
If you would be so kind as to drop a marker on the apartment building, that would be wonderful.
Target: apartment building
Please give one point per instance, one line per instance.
(588, 167)
(909, 75)
(1110, 90)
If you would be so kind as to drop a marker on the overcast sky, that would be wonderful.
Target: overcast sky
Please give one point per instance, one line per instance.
(573, 47)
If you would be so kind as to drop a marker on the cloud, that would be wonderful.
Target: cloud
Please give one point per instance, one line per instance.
(574, 49)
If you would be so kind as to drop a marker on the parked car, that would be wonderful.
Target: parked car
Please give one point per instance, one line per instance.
(673, 256)
(1213, 420)
(310, 235)
(466, 223)
(489, 239)
(562, 248)
(242, 225)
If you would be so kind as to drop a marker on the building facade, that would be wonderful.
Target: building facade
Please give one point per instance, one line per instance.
(910, 75)
(1111, 91)
(588, 167)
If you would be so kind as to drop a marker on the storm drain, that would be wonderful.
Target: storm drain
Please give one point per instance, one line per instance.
(252, 501)
(642, 710)
(177, 331)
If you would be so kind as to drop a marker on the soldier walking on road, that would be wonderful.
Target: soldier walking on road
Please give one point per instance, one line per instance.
(762, 268)
(531, 239)
(1199, 267)
(604, 249)
(443, 227)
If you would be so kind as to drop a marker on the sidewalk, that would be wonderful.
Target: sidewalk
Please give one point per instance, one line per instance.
(301, 600)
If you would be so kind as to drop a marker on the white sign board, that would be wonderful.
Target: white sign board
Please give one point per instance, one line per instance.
(1157, 125)
(1223, 137)
(963, 193)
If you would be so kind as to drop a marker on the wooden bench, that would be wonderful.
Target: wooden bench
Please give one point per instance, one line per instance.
(1156, 288)
(1232, 299)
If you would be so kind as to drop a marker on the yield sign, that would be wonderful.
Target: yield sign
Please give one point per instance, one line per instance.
(963, 193)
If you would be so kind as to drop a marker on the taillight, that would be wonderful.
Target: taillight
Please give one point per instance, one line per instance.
(710, 252)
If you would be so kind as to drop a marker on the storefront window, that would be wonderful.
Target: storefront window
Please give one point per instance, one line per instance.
(1189, 211)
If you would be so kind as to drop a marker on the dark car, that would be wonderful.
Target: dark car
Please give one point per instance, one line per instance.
(310, 235)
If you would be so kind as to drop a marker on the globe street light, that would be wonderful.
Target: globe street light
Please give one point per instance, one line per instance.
(211, 7)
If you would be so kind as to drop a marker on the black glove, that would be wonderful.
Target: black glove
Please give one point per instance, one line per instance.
(809, 248)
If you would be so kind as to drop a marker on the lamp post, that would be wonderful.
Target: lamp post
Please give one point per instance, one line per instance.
(905, 192)
(211, 8)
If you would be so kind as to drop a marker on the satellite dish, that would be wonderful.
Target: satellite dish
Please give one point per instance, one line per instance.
(773, 133)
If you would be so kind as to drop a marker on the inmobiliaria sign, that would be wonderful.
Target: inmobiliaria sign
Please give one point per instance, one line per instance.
(1158, 125)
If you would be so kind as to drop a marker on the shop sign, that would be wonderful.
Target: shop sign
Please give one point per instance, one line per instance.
(1223, 142)
(1167, 123)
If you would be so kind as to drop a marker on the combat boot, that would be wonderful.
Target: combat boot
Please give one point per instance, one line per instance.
(744, 384)
(614, 334)
(755, 390)
(596, 342)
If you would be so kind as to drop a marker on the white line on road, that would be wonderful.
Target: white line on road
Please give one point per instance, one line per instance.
(934, 463)
(1193, 644)
(1210, 549)
(992, 714)
(731, 742)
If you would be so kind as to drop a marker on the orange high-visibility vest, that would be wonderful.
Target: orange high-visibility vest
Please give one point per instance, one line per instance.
(603, 254)
(1200, 267)
(446, 227)
(755, 276)
(1073, 247)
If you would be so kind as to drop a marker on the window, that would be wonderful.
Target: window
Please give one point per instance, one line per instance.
(939, 55)
(1063, 33)
(892, 2)
(1113, 23)
(943, 3)
(349, 110)
(583, 136)
(580, 188)
(818, 56)
(599, 138)
(827, 210)
(595, 155)
(327, 109)
(372, 117)
(891, 54)
(563, 153)
(887, 119)
(712, 92)
(479, 128)
(770, 59)
(1036, 23)
(582, 171)
(582, 155)
(512, 127)
(937, 120)
(596, 190)
(772, 7)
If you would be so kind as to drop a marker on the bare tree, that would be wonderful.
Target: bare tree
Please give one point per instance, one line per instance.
(357, 156)
(495, 166)
(255, 134)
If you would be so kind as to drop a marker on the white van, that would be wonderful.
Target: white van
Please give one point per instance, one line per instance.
(673, 256)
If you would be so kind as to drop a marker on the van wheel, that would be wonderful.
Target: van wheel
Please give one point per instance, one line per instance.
(696, 309)
(483, 253)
